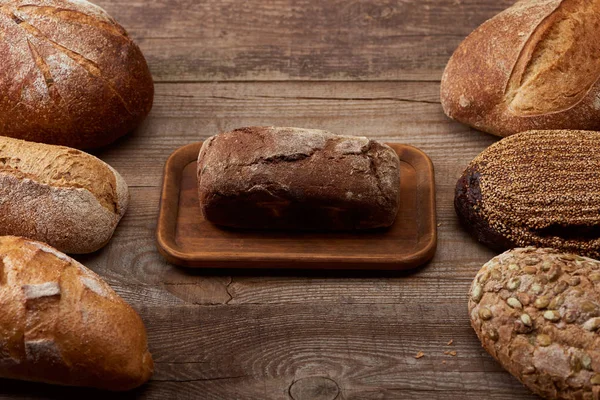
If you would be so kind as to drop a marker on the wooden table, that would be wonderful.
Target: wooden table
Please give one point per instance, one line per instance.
(368, 67)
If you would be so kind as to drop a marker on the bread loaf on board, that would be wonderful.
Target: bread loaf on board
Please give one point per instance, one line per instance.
(58, 195)
(537, 311)
(534, 66)
(62, 324)
(293, 178)
(70, 74)
(537, 188)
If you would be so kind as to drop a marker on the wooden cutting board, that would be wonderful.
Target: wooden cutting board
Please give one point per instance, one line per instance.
(186, 239)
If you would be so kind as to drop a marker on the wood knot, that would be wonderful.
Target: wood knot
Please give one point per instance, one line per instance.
(314, 388)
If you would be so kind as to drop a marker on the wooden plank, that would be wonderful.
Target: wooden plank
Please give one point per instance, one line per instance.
(186, 40)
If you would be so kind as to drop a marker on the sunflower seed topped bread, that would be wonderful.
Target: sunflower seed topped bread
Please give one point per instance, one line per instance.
(534, 66)
(61, 196)
(62, 324)
(70, 74)
(538, 188)
(537, 311)
(293, 178)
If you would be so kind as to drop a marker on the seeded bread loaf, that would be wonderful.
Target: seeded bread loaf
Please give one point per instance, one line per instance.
(537, 311)
(534, 66)
(70, 74)
(538, 188)
(62, 324)
(61, 196)
(292, 178)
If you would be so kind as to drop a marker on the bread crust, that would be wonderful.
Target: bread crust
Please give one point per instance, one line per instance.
(537, 312)
(58, 195)
(70, 74)
(294, 178)
(533, 66)
(535, 188)
(62, 324)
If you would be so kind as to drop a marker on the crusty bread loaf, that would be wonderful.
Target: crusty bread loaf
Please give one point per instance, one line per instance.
(70, 74)
(292, 178)
(61, 196)
(539, 188)
(534, 66)
(61, 324)
(537, 311)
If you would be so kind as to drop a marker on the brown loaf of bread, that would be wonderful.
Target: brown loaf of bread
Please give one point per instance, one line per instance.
(61, 324)
(292, 178)
(537, 311)
(539, 188)
(58, 195)
(534, 66)
(70, 74)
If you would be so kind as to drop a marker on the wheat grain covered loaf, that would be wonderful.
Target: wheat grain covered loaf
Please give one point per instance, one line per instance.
(293, 178)
(537, 188)
(537, 311)
(58, 195)
(62, 324)
(534, 66)
(70, 74)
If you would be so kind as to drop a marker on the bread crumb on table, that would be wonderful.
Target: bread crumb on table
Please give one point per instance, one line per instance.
(420, 355)
(450, 342)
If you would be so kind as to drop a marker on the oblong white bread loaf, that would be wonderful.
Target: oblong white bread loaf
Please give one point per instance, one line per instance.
(58, 195)
(62, 324)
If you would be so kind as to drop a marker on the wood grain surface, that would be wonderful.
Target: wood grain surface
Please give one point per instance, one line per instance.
(368, 67)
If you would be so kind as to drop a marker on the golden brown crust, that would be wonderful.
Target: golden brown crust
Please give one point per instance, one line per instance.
(537, 311)
(58, 195)
(294, 178)
(538, 188)
(61, 324)
(70, 74)
(534, 66)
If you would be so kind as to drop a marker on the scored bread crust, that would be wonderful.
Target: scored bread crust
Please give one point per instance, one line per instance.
(539, 188)
(295, 178)
(61, 196)
(537, 312)
(70, 74)
(62, 324)
(534, 66)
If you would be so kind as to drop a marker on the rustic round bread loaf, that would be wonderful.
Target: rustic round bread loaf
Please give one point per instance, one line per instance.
(534, 66)
(62, 324)
(539, 188)
(61, 196)
(537, 311)
(70, 74)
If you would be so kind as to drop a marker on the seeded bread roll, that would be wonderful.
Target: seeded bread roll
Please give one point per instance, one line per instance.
(538, 188)
(70, 74)
(62, 324)
(537, 311)
(534, 66)
(64, 197)
(293, 178)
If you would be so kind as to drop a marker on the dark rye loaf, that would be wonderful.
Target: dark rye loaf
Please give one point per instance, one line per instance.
(536, 188)
(537, 311)
(70, 74)
(292, 178)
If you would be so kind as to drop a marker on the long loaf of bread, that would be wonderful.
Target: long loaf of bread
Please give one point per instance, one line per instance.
(61, 324)
(62, 196)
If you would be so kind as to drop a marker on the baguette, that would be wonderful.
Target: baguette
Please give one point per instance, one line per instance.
(534, 66)
(62, 324)
(64, 197)
(70, 74)
(293, 178)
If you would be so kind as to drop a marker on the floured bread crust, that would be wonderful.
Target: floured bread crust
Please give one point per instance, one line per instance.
(62, 324)
(534, 66)
(70, 74)
(58, 195)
